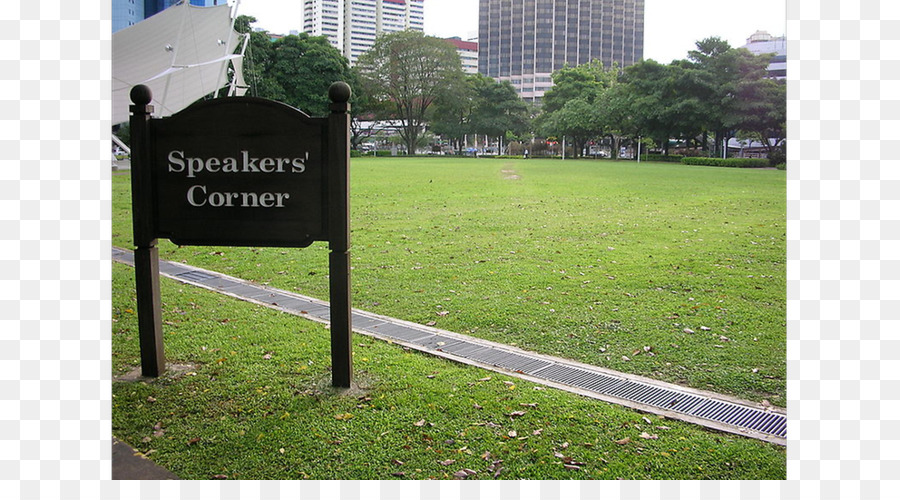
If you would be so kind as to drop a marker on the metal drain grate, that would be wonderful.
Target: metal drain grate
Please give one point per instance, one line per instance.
(195, 276)
(743, 417)
(656, 396)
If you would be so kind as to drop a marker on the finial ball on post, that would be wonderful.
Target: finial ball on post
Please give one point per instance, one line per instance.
(339, 92)
(141, 95)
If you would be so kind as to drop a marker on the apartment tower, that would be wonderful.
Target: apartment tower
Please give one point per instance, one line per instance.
(525, 41)
(352, 25)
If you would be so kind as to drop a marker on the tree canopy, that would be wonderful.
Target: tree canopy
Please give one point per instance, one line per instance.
(409, 71)
(718, 90)
(295, 69)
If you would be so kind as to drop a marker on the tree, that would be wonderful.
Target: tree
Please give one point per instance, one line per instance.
(258, 61)
(578, 119)
(572, 106)
(305, 66)
(296, 70)
(497, 110)
(409, 71)
(450, 117)
(723, 70)
(762, 107)
(663, 101)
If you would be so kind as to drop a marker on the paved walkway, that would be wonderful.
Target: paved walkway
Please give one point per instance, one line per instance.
(704, 408)
(128, 463)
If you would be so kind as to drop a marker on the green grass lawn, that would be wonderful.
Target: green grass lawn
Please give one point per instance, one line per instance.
(256, 403)
(595, 261)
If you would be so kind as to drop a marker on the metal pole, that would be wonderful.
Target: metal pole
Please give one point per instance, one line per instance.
(339, 234)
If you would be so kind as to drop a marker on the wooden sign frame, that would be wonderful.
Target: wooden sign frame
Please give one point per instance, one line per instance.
(241, 171)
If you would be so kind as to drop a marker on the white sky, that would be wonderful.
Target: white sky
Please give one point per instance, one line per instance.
(670, 28)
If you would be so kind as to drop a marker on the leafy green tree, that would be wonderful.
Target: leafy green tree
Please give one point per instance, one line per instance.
(723, 71)
(663, 101)
(572, 106)
(450, 117)
(296, 70)
(409, 71)
(498, 110)
(258, 60)
(762, 108)
(577, 119)
(305, 67)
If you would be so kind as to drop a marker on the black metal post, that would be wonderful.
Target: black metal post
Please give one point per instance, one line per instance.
(339, 234)
(146, 254)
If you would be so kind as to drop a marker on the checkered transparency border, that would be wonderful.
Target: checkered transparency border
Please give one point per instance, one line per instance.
(843, 271)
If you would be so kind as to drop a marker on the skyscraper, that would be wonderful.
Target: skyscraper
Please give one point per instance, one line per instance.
(126, 13)
(525, 41)
(352, 25)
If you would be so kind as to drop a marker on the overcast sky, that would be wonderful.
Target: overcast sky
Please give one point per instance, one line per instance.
(670, 28)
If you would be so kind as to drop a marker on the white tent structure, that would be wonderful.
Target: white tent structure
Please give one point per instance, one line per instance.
(181, 53)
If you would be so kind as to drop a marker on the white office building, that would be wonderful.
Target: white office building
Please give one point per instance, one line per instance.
(468, 54)
(762, 42)
(352, 25)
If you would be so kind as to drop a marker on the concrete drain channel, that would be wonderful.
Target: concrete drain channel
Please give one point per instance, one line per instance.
(703, 408)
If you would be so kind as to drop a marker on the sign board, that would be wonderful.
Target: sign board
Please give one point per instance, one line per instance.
(241, 172)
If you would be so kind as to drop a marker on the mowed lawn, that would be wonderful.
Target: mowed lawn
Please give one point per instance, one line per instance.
(669, 271)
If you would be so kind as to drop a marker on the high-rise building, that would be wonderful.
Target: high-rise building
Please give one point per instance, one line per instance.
(128, 12)
(352, 25)
(525, 41)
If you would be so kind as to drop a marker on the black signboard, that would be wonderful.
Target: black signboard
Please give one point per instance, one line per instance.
(241, 172)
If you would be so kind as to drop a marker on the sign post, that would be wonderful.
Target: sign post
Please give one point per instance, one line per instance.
(241, 172)
(146, 254)
(339, 237)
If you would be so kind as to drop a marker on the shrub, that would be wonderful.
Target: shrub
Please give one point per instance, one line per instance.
(664, 158)
(726, 162)
(387, 153)
(777, 156)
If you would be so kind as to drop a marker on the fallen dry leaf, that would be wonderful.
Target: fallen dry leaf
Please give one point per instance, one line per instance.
(420, 423)
(649, 436)
(220, 476)
(624, 441)
(515, 414)
(461, 474)
(447, 462)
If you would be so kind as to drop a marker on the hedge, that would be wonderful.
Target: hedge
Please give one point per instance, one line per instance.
(726, 162)
(665, 158)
